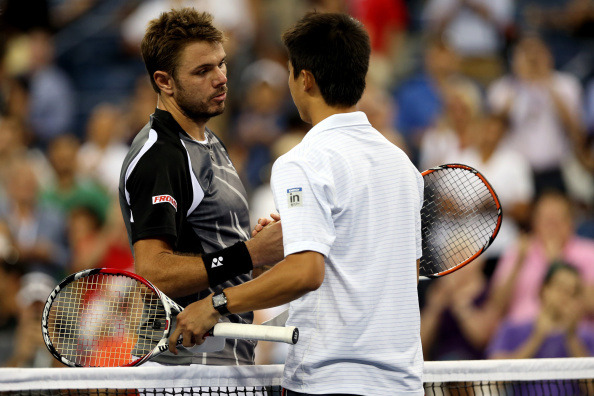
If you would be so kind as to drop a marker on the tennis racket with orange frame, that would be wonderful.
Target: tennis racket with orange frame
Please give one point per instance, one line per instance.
(460, 218)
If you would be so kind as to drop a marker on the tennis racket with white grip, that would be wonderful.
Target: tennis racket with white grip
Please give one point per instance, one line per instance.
(106, 317)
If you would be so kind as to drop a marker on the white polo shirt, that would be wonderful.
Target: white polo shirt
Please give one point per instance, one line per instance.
(349, 194)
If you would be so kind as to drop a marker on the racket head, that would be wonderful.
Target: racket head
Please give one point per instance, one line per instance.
(105, 317)
(460, 218)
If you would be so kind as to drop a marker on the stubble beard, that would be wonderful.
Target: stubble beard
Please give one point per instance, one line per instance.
(198, 112)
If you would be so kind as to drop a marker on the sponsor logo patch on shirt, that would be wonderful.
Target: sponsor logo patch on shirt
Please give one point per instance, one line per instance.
(295, 197)
(165, 199)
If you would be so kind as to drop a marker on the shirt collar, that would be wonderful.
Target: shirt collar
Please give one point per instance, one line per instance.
(167, 120)
(338, 121)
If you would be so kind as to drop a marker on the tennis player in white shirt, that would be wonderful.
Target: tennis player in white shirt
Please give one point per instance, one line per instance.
(350, 205)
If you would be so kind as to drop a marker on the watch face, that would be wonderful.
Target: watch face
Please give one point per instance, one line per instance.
(219, 299)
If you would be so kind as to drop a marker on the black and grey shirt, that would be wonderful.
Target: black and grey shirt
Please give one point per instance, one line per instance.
(187, 191)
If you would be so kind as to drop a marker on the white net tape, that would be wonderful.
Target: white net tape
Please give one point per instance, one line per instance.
(271, 375)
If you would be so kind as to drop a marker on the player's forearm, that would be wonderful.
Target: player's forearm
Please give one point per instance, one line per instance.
(290, 279)
(179, 275)
(174, 274)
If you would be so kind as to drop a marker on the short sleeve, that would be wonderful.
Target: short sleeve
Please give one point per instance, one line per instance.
(304, 200)
(155, 191)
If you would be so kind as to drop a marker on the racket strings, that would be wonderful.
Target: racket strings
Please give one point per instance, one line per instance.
(459, 218)
(105, 320)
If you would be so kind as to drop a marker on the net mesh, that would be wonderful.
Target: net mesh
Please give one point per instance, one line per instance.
(105, 320)
(458, 218)
(573, 376)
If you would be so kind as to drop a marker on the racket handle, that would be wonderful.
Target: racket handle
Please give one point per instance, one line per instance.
(289, 335)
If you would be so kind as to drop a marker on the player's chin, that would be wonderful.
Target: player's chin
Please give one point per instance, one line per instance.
(218, 109)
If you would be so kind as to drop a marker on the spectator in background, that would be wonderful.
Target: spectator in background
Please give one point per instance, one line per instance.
(9, 278)
(261, 119)
(545, 111)
(261, 200)
(520, 273)
(510, 175)
(567, 26)
(142, 104)
(453, 132)
(17, 101)
(84, 227)
(13, 147)
(455, 321)
(51, 98)
(39, 233)
(97, 244)
(558, 330)
(63, 12)
(419, 100)
(70, 189)
(386, 22)
(101, 156)
(10, 275)
(29, 350)
(476, 29)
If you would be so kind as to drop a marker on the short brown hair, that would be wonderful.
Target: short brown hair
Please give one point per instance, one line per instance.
(167, 35)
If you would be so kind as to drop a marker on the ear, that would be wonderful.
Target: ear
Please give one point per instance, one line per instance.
(308, 80)
(164, 82)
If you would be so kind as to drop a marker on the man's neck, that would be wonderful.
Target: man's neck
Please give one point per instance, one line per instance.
(196, 129)
(319, 111)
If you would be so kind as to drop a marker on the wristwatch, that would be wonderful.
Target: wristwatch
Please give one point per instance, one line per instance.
(219, 302)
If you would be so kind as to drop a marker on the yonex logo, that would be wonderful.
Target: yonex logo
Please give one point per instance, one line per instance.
(217, 262)
(165, 198)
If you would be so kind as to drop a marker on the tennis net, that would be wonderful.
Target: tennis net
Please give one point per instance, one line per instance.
(488, 377)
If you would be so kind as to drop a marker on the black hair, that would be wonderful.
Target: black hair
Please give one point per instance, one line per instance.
(335, 48)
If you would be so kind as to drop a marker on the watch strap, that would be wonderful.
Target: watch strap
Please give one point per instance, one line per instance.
(219, 302)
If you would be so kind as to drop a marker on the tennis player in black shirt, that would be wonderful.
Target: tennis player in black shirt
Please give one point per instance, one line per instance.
(184, 206)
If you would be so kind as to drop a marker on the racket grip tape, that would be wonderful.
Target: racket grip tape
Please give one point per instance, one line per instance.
(289, 335)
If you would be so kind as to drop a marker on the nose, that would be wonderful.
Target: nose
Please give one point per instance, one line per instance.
(220, 78)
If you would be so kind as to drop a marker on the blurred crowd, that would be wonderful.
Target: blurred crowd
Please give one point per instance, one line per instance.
(506, 86)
